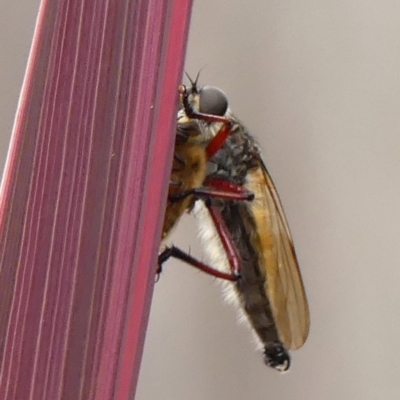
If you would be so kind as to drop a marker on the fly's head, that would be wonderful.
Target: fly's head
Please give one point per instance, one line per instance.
(201, 106)
(208, 100)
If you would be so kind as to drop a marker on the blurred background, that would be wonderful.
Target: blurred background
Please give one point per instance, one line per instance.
(318, 84)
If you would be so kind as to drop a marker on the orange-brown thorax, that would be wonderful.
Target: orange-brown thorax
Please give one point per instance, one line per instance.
(188, 172)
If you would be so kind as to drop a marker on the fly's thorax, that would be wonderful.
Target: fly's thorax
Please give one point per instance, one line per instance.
(189, 166)
(239, 154)
(188, 169)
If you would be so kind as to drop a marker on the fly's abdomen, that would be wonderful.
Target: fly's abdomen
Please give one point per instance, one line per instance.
(251, 287)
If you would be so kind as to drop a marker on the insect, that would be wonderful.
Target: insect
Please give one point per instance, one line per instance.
(248, 242)
(270, 290)
(193, 148)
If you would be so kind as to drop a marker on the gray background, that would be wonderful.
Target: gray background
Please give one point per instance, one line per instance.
(318, 83)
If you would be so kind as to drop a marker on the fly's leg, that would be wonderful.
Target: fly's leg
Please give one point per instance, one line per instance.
(177, 253)
(223, 185)
(217, 189)
(227, 243)
(230, 192)
(229, 246)
(223, 190)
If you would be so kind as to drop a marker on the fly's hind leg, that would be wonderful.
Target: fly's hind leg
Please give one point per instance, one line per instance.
(177, 253)
(221, 190)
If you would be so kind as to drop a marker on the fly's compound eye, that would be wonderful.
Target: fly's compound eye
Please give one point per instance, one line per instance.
(212, 101)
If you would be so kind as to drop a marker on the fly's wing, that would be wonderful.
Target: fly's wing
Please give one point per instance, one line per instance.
(284, 285)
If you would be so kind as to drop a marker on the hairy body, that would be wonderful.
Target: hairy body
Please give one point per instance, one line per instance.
(270, 290)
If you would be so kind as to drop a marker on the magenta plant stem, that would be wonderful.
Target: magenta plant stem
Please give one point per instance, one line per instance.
(83, 196)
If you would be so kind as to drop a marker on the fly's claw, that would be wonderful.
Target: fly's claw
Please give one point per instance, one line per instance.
(158, 273)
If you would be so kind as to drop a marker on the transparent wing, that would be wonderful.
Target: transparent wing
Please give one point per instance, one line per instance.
(284, 285)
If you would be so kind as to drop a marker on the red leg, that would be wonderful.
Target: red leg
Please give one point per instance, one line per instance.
(228, 193)
(218, 189)
(187, 258)
(226, 239)
(218, 141)
(225, 186)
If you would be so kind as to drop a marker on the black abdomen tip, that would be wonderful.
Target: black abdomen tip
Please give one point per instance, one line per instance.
(276, 356)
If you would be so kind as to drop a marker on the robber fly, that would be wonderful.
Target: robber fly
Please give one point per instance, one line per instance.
(194, 147)
(270, 290)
